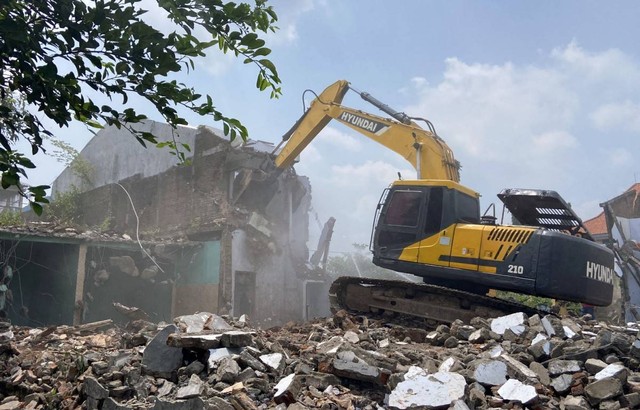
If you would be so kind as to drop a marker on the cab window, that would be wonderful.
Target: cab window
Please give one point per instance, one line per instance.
(404, 208)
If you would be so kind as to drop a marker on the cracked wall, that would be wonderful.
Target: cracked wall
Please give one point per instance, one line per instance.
(251, 220)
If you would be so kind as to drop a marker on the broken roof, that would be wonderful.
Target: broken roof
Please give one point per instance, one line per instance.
(50, 232)
(598, 224)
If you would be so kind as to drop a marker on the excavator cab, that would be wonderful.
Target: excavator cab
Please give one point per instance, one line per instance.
(415, 223)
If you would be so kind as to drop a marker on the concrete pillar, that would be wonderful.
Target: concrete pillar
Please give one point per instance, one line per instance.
(80, 276)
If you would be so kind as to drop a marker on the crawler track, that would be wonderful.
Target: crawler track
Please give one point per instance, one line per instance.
(435, 304)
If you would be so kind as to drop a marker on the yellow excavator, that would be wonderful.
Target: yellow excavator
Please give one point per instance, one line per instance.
(432, 227)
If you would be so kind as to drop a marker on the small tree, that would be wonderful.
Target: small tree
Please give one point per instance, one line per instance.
(53, 51)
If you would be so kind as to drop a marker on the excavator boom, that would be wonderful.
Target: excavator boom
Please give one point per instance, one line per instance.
(428, 153)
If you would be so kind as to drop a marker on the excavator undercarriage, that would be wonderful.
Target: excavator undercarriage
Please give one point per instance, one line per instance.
(434, 304)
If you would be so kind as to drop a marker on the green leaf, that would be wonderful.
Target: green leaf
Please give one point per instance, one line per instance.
(94, 124)
(262, 52)
(9, 178)
(36, 207)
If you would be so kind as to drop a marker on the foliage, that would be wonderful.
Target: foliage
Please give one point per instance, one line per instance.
(11, 218)
(65, 207)
(106, 224)
(60, 55)
(538, 302)
(71, 158)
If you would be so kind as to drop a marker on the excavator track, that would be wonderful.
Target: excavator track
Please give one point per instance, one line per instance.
(434, 304)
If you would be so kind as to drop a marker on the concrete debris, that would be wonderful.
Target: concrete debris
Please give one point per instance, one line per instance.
(557, 367)
(514, 322)
(161, 360)
(273, 360)
(428, 390)
(209, 361)
(516, 390)
(490, 373)
(603, 389)
(613, 370)
(126, 264)
(133, 313)
(200, 322)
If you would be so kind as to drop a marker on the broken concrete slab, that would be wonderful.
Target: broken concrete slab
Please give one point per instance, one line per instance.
(236, 338)
(359, 371)
(575, 403)
(125, 264)
(286, 390)
(215, 355)
(92, 388)
(540, 350)
(541, 372)
(557, 367)
(562, 383)
(228, 370)
(593, 366)
(518, 391)
(194, 388)
(603, 389)
(518, 369)
(159, 359)
(274, 361)
(553, 326)
(330, 346)
(428, 390)
(479, 336)
(197, 341)
(616, 370)
(200, 322)
(490, 372)
(515, 322)
(351, 337)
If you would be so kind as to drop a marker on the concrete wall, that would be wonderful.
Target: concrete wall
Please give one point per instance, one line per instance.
(260, 233)
(115, 155)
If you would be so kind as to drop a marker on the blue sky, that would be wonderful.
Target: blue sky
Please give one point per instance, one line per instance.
(527, 94)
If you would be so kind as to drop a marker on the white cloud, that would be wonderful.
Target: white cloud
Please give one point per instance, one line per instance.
(554, 141)
(533, 126)
(611, 66)
(310, 155)
(336, 138)
(361, 175)
(623, 115)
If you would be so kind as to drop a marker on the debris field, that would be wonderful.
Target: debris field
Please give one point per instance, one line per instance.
(204, 361)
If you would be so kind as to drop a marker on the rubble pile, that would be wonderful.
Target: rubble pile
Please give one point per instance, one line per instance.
(345, 362)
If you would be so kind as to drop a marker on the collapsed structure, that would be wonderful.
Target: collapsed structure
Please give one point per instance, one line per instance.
(618, 226)
(221, 234)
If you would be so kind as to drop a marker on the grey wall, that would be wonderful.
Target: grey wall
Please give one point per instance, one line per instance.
(115, 155)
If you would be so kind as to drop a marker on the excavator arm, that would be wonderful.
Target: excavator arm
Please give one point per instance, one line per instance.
(428, 153)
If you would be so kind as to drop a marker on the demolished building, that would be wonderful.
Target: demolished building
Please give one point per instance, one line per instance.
(618, 226)
(224, 233)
